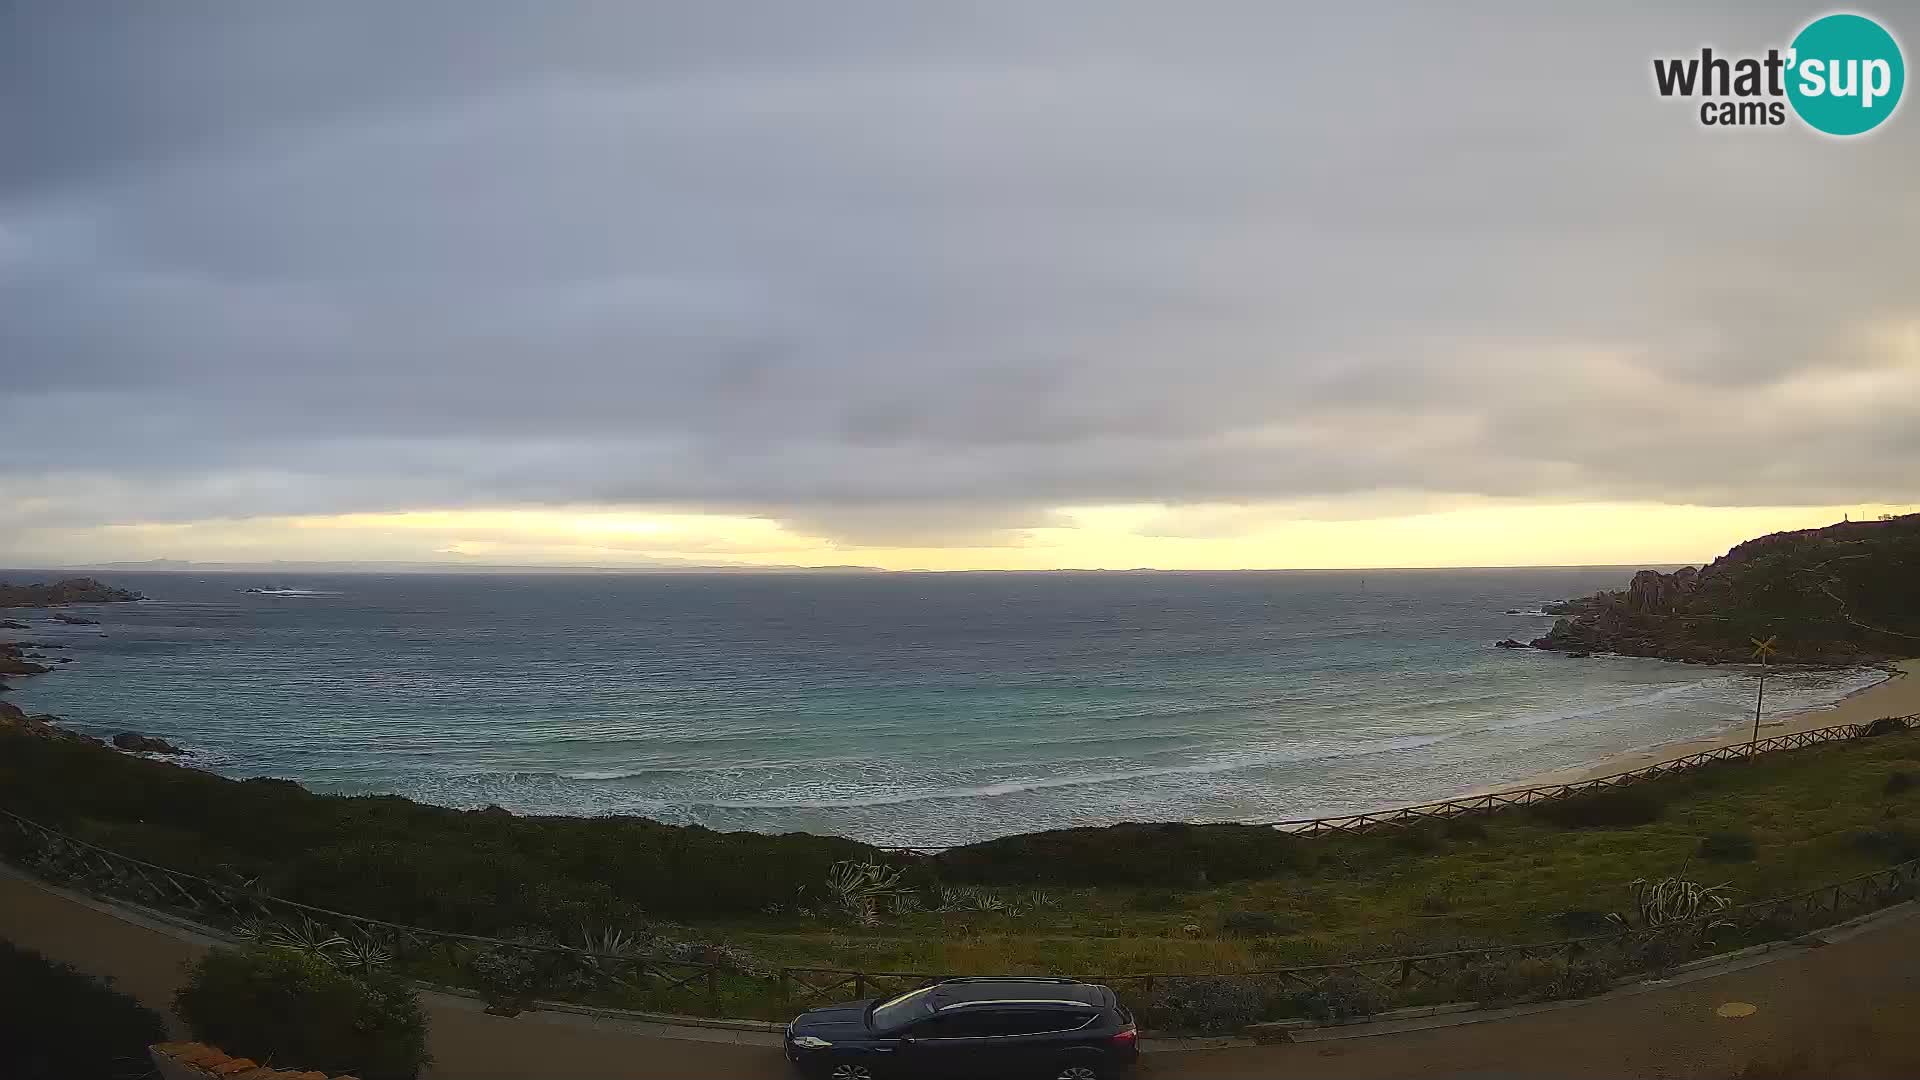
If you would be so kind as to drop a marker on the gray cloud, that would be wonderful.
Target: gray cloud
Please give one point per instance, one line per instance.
(892, 274)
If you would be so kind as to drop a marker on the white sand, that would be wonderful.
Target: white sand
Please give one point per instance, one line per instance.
(1898, 695)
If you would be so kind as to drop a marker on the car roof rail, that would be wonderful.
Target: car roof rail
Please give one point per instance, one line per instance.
(1055, 979)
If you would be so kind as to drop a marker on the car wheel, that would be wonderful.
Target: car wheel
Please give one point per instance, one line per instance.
(847, 1070)
(1078, 1070)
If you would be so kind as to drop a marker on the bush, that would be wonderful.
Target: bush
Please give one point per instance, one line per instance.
(1210, 1005)
(1898, 783)
(1253, 923)
(1581, 923)
(1465, 828)
(1498, 980)
(1156, 900)
(293, 1009)
(58, 1023)
(1171, 855)
(1418, 840)
(1895, 843)
(1341, 998)
(1727, 847)
(1616, 808)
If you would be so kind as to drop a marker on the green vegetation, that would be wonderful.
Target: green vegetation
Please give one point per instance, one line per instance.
(296, 1008)
(1165, 899)
(1841, 594)
(59, 1023)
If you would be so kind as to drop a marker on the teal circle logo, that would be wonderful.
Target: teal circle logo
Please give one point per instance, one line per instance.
(1845, 74)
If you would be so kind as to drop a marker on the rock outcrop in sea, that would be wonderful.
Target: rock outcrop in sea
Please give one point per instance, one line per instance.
(1844, 594)
(80, 590)
(137, 743)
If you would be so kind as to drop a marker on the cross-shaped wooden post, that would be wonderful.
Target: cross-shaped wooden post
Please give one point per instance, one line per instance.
(1763, 650)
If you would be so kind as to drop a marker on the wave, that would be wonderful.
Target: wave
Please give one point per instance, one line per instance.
(1016, 787)
(292, 592)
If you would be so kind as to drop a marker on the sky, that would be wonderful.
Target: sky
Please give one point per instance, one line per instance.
(993, 285)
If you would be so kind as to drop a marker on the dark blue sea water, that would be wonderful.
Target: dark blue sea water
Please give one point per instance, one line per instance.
(906, 708)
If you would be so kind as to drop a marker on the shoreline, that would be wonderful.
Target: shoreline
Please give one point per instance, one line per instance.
(1896, 695)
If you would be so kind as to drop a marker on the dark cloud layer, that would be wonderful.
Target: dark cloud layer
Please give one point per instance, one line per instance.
(904, 272)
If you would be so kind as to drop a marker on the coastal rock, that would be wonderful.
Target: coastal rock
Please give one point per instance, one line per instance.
(69, 591)
(137, 743)
(13, 661)
(13, 720)
(1509, 643)
(74, 620)
(1843, 594)
(9, 624)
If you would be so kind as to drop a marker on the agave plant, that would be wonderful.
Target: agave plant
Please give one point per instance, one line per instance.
(362, 955)
(1676, 901)
(903, 903)
(859, 887)
(957, 898)
(304, 936)
(1040, 898)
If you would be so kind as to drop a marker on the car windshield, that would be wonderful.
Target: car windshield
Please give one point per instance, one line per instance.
(896, 1013)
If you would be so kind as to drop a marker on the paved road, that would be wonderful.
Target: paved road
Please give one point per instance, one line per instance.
(1843, 1011)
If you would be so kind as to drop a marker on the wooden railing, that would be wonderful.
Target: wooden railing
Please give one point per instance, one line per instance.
(1402, 816)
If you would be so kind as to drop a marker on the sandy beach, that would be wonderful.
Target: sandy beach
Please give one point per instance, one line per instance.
(1897, 695)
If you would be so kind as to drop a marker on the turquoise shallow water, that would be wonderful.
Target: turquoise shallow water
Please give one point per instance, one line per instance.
(910, 708)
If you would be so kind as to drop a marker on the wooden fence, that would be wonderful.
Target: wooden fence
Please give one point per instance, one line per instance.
(1403, 816)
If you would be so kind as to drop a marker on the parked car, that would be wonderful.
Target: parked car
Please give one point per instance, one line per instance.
(963, 1029)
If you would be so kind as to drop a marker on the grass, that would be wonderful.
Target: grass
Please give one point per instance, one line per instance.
(1124, 900)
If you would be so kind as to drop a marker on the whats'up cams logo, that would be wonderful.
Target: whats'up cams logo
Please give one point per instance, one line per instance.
(1842, 75)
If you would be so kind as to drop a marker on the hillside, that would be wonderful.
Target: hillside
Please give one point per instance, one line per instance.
(1846, 593)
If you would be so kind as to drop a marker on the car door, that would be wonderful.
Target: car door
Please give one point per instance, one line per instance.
(955, 1045)
(1029, 1042)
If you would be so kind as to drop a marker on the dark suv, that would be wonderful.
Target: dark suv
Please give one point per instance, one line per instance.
(968, 1028)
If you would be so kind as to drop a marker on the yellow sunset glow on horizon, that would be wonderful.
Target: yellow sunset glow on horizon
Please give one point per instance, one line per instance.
(1477, 532)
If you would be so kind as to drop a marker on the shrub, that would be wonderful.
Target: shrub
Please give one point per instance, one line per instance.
(509, 979)
(1416, 839)
(1616, 808)
(1465, 828)
(59, 1023)
(1156, 900)
(1727, 847)
(294, 1009)
(1499, 979)
(1433, 904)
(1253, 923)
(1581, 923)
(1895, 843)
(1503, 979)
(1341, 998)
(1583, 976)
(1898, 783)
(1210, 1005)
(1171, 855)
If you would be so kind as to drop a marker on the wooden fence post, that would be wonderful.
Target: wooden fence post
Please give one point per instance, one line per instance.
(859, 984)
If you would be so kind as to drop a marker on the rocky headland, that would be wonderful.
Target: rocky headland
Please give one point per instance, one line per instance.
(80, 590)
(1844, 594)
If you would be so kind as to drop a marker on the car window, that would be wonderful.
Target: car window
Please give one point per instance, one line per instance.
(982, 1023)
(964, 1024)
(1039, 1021)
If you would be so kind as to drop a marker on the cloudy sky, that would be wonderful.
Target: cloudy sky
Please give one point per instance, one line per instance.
(917, 285)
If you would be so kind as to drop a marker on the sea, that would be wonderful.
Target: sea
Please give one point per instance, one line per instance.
(907, 709)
